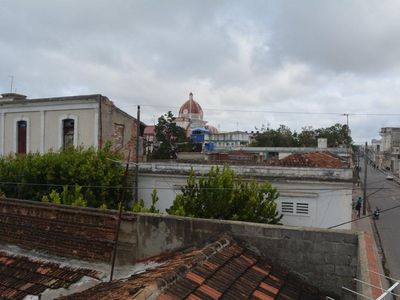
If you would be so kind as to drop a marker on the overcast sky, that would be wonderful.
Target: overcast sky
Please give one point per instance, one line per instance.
(235, 56)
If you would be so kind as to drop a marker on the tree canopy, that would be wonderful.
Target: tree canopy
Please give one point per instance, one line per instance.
(88, 176)
(221, 194)
(283, 137)
(170, 138)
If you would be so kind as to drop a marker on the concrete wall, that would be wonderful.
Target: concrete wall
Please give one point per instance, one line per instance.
(329, 203)
(327, 174)
(327, 259)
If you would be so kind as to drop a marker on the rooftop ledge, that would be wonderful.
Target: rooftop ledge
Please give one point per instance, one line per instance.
(256, 171)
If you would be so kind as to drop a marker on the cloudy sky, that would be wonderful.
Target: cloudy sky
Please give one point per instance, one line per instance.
(247, 62)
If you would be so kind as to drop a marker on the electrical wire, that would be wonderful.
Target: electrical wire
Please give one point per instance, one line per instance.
(269, 111)
(366, 216)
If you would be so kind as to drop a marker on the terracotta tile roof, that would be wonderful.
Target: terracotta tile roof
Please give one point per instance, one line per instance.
(149, 130)
(324, 159)
(222, 270)
(21, 276)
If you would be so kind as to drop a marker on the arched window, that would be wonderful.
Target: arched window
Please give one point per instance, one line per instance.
(68, 131)
(21, 136)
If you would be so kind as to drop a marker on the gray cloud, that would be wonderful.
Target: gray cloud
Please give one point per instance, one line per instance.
(335, 56)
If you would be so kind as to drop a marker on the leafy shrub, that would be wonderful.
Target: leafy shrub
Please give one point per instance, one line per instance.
(90, 175)
(221, 194)
(139, 206)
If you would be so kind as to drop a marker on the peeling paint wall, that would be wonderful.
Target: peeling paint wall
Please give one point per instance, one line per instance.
(119, 128)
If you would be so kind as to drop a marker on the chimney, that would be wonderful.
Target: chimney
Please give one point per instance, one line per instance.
(12, 97)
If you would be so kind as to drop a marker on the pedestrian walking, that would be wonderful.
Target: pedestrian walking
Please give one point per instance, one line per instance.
(358, 206)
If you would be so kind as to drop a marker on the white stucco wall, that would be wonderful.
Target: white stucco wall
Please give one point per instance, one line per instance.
(33, 129)
(328, 203)
(44, 124)
(84, 120)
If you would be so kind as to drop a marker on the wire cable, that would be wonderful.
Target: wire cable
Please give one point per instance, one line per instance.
(367, 216)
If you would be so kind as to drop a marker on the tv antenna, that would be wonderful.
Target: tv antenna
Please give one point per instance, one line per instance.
(11, 83)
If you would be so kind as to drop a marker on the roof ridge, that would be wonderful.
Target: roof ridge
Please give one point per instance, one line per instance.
(203, 255)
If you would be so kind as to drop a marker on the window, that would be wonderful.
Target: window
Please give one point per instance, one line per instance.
(118, 135)
(68, 133)
(21, 137)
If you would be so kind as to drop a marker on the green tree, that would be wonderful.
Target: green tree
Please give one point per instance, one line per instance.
(281, 137)
(307, 137)
(170, 138)
(140, 207)
(336, 135)
(224, 195)
(34, 175)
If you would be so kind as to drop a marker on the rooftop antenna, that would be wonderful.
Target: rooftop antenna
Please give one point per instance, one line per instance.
(11, 84)
(384, 292)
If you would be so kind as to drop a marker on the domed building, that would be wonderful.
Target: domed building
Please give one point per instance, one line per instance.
(190, 115)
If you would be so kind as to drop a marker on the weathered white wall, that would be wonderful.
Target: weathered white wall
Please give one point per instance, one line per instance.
(84, 127)
(253, 171)
(33, 129)
(329, 203)
(44, 130)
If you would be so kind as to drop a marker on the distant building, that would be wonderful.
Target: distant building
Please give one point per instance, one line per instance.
(149, 138)
(390, 148)
(315, 188)
(190, 118)
(44, 124)
(190, 115)
(229, 140)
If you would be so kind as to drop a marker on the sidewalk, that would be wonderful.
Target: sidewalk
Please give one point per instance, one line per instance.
(374, 259)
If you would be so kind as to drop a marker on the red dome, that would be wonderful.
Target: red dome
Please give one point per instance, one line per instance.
(190, 107)
(212, 129)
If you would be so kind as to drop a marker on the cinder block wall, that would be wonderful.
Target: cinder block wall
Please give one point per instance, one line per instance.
(58, 230)
(326, 258)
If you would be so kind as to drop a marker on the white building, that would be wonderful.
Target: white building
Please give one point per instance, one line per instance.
(229, 140)
(313, 197)
(390, 148)
(40, 125)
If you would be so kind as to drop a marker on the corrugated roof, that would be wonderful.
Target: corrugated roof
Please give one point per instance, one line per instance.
(21, 276)
(222, 270)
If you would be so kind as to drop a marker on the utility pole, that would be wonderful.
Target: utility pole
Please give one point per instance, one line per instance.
(365, 179)
(137, 155)
(348, 140)
(121, 207)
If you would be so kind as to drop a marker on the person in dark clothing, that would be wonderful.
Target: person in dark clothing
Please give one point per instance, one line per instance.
(358, 206)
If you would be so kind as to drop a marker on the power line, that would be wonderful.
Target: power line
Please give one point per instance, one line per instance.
(272, 111)
(366, 216)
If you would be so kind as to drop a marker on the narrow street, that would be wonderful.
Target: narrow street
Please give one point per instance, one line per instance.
(385, 194)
